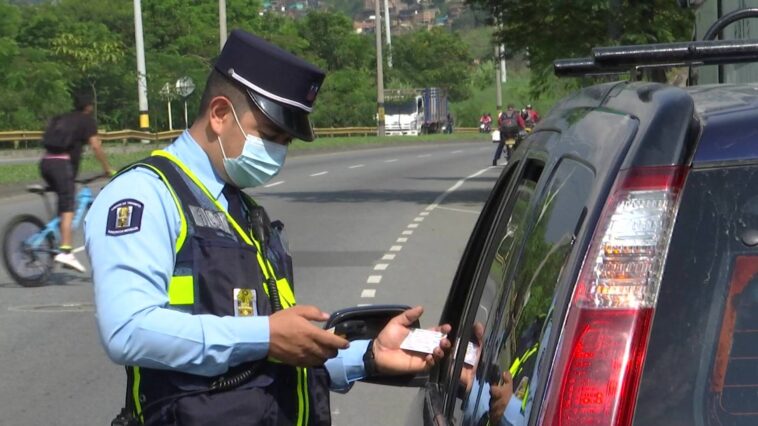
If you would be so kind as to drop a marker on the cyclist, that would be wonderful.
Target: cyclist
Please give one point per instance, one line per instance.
(63, 140)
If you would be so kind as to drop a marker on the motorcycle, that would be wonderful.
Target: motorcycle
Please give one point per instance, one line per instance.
(485, 128)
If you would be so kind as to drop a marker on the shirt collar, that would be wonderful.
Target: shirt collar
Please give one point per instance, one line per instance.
(187, 150)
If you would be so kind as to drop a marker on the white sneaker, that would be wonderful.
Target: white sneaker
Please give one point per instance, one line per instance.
(68, 260)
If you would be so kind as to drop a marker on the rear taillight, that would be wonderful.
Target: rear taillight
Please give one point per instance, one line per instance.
(598, 365)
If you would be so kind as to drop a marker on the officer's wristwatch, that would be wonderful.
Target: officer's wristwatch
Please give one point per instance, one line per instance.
(369, 362)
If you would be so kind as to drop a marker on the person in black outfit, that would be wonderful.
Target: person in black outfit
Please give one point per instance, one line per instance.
(509, 124)
(65, 136)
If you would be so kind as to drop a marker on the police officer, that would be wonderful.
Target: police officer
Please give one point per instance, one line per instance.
(193, 287)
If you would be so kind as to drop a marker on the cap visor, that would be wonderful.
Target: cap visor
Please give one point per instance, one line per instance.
(291, 120)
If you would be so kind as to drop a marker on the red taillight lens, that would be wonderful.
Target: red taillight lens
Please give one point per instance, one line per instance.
(597, 368)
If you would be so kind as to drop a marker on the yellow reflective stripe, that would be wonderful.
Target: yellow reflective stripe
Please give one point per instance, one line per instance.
(135, 394)
(181, 290)
(515, 367)
(300, 405)
(307, 397)
(182, 219)
(285, 292)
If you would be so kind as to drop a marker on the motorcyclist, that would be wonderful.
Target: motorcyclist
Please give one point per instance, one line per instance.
(510, 124)
(533, 115)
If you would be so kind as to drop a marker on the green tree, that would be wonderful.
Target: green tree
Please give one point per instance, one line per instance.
(89, 49)
(331, 37)
(436, 58)
(348, 98)
(577, 26)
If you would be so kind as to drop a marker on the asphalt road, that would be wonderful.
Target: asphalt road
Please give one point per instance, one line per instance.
(384, 225)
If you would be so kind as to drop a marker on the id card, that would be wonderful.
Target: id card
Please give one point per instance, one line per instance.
(471, 353)
(419, 340)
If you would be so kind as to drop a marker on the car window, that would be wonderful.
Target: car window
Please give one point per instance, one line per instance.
(512, 346)
(481, 305)
(703, 349)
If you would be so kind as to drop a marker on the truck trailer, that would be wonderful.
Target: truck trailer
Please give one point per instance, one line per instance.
(414, 111)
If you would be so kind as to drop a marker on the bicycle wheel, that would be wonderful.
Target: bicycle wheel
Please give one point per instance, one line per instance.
(28, 266)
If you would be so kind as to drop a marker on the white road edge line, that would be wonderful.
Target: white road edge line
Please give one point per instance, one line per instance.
(457, 185)
(453, 209)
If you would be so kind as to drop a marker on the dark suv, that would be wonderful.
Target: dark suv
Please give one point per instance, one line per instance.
(612, 277)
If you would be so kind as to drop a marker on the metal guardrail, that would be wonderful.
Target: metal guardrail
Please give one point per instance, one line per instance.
(17, 137)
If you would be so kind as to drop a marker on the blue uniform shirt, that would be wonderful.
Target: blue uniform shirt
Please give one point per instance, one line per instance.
(131, 272)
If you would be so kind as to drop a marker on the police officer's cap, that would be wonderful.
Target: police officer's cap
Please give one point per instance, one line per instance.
(280, 84)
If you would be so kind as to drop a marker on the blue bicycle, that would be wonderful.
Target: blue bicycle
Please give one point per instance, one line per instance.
(29, 245)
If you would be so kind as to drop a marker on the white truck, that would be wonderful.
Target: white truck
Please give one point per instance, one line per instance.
(415, 111)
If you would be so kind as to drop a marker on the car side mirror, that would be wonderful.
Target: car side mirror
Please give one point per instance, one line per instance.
(366, 322)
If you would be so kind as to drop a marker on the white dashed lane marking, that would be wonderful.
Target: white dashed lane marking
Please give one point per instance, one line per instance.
(319, 174)
(413, 225)
(274, 184)
(388, 257)
(368, 293)
(390, 161)
(407, 232)
(396, 248)
(381, 266)
(374, 279)
(355, 166)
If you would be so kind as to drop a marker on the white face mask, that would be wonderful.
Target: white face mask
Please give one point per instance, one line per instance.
(259, 161)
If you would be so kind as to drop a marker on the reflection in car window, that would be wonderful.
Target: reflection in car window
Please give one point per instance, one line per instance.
(512, 347)
(507, 234)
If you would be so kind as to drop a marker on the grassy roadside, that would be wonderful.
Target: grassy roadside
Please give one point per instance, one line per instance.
(120, 155)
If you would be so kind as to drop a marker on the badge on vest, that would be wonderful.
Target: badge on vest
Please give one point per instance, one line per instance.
(245, 302)
(210, 219)
(124, 217)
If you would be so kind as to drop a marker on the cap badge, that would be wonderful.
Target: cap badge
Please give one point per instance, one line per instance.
(312, 92)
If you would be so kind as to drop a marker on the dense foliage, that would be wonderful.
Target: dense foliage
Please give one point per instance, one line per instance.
(553, 29)
(49, 49)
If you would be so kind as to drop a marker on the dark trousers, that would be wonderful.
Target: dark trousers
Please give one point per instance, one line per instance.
(498, 151)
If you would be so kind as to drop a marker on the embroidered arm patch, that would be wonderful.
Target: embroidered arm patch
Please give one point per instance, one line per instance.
(124, 217)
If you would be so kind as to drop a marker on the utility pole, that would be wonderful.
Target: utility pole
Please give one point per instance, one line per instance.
(222, 22)
(379, 71)
(503, 70)
(144, 118)
(498, 86)
(387, 22)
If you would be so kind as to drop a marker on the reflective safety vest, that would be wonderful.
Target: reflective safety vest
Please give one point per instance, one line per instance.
(223, 268)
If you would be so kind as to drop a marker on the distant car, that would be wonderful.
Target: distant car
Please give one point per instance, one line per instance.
(613, 271)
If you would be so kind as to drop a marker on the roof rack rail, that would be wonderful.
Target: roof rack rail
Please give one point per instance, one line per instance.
(622, 59)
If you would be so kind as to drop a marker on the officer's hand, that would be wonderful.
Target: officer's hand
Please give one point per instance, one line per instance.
(500, 395)
(390, 359)
(295, 341)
